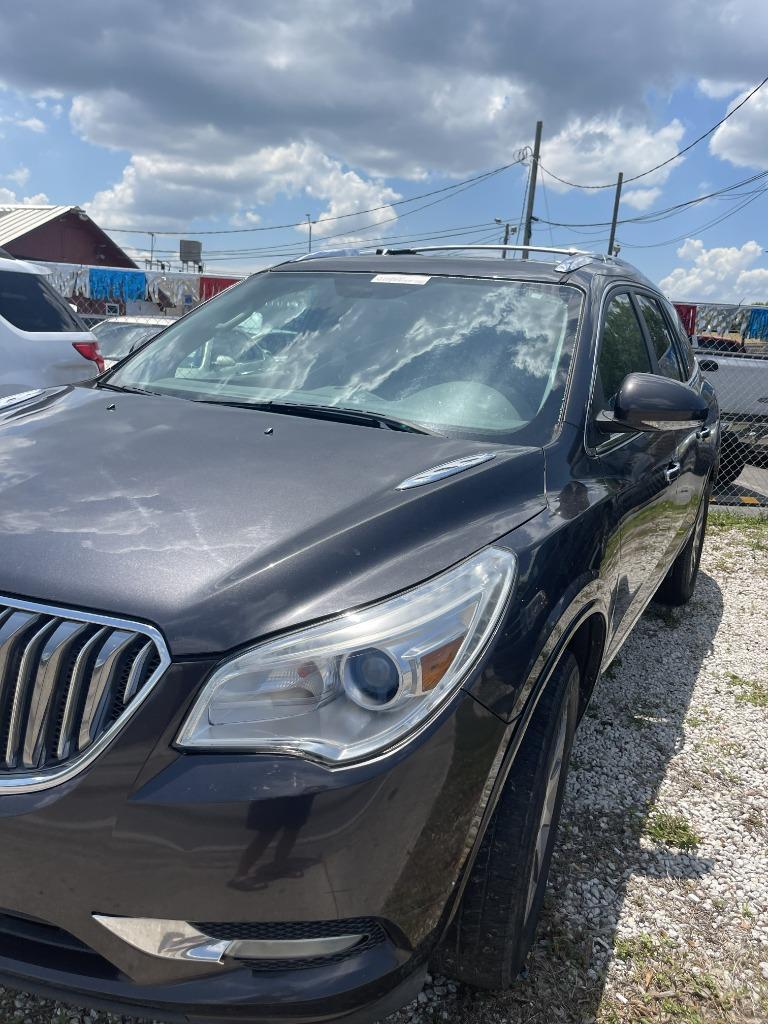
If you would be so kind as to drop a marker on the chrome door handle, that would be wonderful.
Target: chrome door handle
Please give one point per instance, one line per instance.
(704, 433)
(672, 472)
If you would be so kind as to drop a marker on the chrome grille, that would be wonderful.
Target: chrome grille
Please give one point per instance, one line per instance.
(68, 682)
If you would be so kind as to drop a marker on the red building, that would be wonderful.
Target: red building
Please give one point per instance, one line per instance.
(58, 234)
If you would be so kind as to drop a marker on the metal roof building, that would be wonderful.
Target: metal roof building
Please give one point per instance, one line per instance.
(59, 234)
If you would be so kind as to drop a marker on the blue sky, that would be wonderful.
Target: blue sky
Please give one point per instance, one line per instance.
(249, 117)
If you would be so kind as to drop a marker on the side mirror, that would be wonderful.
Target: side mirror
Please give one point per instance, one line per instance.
(647, 402)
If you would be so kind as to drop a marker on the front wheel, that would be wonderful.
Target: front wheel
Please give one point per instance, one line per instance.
(678, 585)
(496, 920)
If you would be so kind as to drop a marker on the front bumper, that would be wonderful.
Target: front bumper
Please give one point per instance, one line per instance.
(148, 832)
(368, 993)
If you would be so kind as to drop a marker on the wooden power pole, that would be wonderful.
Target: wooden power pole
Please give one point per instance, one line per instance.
(532, 189)
(614, 219)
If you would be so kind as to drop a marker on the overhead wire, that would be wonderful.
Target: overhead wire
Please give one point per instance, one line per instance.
(699, 230)
(653, 216)
(300, 246)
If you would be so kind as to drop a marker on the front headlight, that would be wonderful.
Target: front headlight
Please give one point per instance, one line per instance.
(355, 685)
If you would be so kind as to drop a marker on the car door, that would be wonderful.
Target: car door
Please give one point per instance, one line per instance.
(671, 362)
(640, 470)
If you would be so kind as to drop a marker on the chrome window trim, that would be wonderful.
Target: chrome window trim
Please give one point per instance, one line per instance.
(610, 445)
(646, 293)
(616, 288)
(34, 782)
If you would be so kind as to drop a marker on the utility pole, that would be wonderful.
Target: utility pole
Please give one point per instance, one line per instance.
(508, 229)
(615, 217)
(151, 248)
(309, 223)
(532, 189)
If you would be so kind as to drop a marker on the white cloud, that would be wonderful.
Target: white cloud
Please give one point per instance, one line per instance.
(720, 274)
(595, 151)
(19, 177)
(396, 88)
(640, 198)
(716, 89)
(743, 139)
(165, 192)
(9, 198)
(34, 124)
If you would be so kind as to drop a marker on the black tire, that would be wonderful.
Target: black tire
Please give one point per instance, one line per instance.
(678, 585)
(495, 922)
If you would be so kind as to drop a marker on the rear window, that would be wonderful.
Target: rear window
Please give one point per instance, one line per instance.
(29, 303)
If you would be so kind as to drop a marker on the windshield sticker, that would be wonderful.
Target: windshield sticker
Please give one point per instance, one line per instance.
(399, 279)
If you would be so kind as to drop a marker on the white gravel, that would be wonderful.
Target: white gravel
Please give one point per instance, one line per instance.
(658, 902)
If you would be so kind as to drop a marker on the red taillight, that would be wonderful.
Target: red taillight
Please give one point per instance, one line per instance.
(90, 350)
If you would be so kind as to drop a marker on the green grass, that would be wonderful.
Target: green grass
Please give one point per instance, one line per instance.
(750, 692)
(723, 519)
(672, 830)
(754, 529)
(638, 948)
(677, 1011)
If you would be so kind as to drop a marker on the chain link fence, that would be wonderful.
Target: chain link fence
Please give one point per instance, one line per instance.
(731, 345)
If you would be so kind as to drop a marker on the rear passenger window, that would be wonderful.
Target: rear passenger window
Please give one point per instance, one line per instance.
(622, 351)
(685, 346)
(29, 303)
(661, 338)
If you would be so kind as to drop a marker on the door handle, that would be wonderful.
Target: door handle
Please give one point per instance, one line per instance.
(709, 365)
(704, 433)
(672, 472)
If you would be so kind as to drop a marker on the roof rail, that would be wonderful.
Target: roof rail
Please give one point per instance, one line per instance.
(493, 248)
(320, 254)
(576, 258)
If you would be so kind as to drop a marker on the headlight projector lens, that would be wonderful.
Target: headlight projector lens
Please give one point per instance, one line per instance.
(371, 678)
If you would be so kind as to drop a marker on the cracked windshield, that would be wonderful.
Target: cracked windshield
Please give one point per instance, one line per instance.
(468, 355)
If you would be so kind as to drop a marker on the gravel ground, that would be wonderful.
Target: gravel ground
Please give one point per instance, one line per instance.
(657, 907)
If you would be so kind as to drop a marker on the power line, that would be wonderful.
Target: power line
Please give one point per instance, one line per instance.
(381, 240)
(520, 156)
(676, 156)
(663, 214)
(285, 253)
(699, 230)
(299, 245)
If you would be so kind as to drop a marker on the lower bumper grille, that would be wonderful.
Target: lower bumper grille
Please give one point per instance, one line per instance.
(35, 942)
(68, 681)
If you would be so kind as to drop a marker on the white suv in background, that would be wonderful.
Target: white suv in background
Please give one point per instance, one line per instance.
(42, 342)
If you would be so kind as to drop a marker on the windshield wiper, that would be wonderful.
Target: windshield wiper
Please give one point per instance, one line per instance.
(341, 413)
(129, 390)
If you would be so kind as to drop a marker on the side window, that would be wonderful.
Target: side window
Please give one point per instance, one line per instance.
(29, 303)
(685, 346)
(661, 338)
(622, 351)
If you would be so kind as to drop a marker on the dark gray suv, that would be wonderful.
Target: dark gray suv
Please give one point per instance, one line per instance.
(291, 663)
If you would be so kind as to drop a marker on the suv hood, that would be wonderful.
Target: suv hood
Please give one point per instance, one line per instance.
(194, 519)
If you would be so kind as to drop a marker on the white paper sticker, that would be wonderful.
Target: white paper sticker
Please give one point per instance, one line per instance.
(400, 279)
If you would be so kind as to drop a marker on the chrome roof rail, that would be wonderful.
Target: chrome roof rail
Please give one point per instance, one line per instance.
(493, 248)
(575, 258)
(321, 254)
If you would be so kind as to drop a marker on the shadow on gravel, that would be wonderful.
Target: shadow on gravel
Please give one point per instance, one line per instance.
(634, 726)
